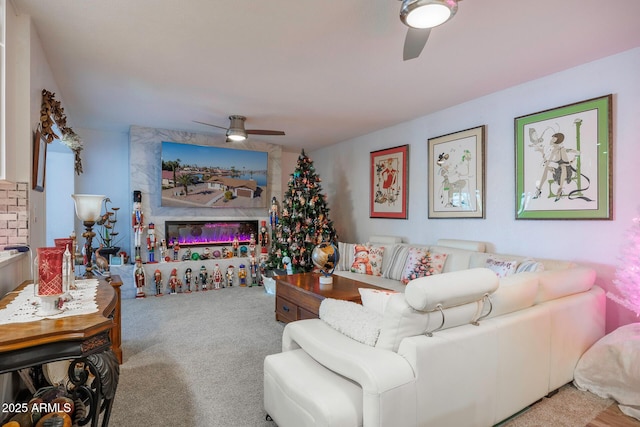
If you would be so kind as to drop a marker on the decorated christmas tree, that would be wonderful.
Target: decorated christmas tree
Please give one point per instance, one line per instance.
(302, 222)
(628, 273)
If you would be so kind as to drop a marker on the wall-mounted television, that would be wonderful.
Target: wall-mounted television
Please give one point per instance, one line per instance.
(213, 177)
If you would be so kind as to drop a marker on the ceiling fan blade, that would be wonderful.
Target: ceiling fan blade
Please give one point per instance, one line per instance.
(264, 132)
(414, 42)
(209, 124)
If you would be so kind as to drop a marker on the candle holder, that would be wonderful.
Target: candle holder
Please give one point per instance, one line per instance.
(88, 207)
(48, 280)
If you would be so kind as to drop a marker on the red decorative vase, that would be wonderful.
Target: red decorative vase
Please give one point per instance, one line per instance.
(50, 271)
(64, 242)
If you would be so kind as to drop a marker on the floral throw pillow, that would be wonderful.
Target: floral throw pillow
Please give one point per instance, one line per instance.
(502, 267)
(421, 263)
(367, 259)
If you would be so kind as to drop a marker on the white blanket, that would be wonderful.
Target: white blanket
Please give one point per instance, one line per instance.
(351, 319)
(611, 368)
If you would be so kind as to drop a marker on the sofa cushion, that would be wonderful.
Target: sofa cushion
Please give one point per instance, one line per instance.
(397, 258)
(457, 259)
(351, 319)
(367, 259)
(559, 283)
(346, 256)
(375, 299)
(468, 245)
(376, 281)
(501, 266)
(421, 263)
(531, 265)
(450, 289)
(515, 292)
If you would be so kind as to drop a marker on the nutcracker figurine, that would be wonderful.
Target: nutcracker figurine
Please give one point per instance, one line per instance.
(263, 237)
(157, 278)
(174, 282)
(273, 212)
(252, 245)
(151, 242)
(137, 221)
(230, 272)
(187, 280)
(138, 278)
(217, 277)
(242, 275)
(235, 244)
(253, 267)
(203, 277)
(176, 250)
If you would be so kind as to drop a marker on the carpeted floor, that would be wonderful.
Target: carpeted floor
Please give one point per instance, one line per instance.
(196, 360)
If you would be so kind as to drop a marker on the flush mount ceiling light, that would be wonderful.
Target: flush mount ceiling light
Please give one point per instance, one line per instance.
(236, 131)
(427, 13)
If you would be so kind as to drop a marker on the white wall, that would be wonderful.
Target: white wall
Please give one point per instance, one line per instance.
(344, 169)
(59, 182)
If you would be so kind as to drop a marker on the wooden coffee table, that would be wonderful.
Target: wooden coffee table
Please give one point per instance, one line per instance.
(298, 296)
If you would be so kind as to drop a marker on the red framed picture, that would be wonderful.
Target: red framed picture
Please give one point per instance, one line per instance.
(389, 178)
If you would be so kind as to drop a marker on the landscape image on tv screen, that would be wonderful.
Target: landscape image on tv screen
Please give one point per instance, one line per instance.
(216, 177)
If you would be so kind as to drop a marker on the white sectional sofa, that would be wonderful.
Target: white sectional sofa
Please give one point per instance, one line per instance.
(459, 348)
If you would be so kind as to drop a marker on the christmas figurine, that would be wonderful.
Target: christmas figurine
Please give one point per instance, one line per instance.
(206, 254)
(151, 242)
(263, 237)
(174, 282)
(203, 277)
(217, 277)
(273, 212)
(187, 255)
(286, 262)
(138, 278)
(157, 278)
(263, 271)
(252, 245)
(253, 267)
(230, 273)
(235, 244)
(163, 251)
(242, 275)
(187, 280)
(137, 221)
(176, 249)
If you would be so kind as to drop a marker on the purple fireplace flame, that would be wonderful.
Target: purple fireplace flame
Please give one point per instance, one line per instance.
(210, 233)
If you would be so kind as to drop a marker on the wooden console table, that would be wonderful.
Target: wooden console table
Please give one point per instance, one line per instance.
(84, 339)
(298, 296)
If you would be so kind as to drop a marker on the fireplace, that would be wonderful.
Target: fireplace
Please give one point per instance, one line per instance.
(209, 233)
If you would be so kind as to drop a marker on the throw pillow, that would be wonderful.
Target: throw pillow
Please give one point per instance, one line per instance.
(346, 256)
(421, 263)
(530, 265)
(502, 267)
(375, 299)
(367, 259)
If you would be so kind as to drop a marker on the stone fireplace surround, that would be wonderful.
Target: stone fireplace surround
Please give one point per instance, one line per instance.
(144, 163)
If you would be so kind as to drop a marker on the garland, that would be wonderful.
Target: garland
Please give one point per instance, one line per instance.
(51, 112)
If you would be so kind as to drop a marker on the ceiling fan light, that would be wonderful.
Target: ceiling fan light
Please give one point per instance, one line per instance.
(236, 130)
(236, 135)
(427, 13)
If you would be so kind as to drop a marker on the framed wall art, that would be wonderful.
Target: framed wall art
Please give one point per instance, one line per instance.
(39, 161)
(389, 177)
(456, 174)
(563, 162)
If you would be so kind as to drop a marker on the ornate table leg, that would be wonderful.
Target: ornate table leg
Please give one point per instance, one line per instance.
(98, 394)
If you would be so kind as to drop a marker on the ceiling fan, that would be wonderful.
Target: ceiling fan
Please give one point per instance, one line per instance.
(421, 16)
(236, 131)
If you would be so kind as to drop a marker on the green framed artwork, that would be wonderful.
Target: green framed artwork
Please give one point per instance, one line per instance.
(564, 162)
